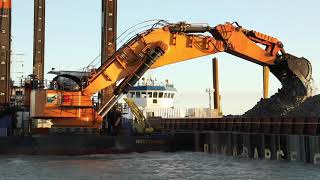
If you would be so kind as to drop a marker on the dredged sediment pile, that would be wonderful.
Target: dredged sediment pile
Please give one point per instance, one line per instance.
(309, 108)
(289, 97)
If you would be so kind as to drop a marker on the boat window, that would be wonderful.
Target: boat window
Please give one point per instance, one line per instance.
(149, 94)
(143, 94)
(160, 94)
(138, 95)
(172, 95)
(155, 94)
(155, 101)
(19, 93)
(132, 94)
(165, 95)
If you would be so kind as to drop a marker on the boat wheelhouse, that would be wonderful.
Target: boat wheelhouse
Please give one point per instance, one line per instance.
(155, 100)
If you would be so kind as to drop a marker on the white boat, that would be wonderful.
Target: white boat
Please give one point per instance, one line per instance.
(154, 99)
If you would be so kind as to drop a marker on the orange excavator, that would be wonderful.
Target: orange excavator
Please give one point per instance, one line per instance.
(157, 47)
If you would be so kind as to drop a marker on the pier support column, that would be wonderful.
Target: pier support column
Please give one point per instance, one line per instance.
(237, 144)
(197, 141)
(313, 146)
(39, 41)
(267, 146)
(266, 73)
(296, 148)
(5, 51)
(257, 146)
(216, 93)
(246, 148)
(214, 142)
(109, 29)
(108, 36)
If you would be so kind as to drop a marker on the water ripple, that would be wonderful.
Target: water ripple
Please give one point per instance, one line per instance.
(153, 165)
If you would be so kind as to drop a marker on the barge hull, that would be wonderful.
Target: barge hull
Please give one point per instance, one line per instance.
(289, 139)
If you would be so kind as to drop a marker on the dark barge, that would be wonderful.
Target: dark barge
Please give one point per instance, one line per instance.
(291, 139)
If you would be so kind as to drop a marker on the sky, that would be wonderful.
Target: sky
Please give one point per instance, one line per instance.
(73, 41)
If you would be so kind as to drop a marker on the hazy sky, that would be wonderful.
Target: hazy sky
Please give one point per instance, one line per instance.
(73, 40)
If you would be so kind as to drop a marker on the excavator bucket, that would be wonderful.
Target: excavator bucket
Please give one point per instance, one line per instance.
(295, 75)
(301, 67)
(294, 72)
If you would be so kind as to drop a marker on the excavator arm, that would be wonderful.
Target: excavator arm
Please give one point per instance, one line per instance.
(157, 47)
(180, 42)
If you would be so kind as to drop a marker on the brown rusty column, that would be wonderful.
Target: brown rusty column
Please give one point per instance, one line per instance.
(39, 40)
(108, 34)
(5, 51)
(266, 73)
(109, 29)
(216, 93)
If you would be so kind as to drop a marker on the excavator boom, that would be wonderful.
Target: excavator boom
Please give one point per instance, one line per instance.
(179, 42)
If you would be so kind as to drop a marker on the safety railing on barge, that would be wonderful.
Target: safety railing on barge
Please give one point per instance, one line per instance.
(270, 125)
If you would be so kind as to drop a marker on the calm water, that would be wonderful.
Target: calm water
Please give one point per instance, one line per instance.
(152, 165)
